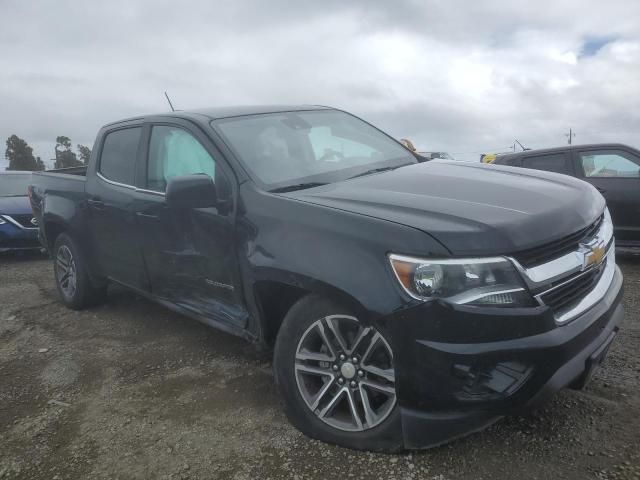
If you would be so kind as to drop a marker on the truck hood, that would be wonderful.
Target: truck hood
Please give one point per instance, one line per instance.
(472, 209)
(15, 205)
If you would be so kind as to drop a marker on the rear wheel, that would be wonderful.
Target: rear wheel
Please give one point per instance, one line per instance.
(337, 378)
(72, 280)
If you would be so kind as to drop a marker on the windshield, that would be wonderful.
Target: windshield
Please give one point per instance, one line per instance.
(14, 185)
(309, 147)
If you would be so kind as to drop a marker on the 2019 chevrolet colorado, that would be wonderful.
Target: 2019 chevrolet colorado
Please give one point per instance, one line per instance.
(407, 303)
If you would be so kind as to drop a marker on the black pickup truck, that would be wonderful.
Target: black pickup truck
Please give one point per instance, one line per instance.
(407, 303)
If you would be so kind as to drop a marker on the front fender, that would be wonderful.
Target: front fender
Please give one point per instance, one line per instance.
(327, 251)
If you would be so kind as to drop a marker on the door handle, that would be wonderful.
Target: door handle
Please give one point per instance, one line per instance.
(96, 203)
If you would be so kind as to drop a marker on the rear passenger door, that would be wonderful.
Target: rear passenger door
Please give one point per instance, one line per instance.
(559, 162)
(111, 219)
(616, 174)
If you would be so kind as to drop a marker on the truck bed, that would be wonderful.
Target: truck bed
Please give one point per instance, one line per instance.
(60, 180)
(56, 192)
(78, 171)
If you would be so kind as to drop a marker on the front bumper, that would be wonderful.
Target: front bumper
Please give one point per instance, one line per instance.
(459, 369)
(15, 238)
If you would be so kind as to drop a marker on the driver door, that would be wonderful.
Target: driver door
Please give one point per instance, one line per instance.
(189, 253)
(616, 175)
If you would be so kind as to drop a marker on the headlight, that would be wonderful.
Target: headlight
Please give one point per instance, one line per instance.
(475, 281)
(2, 220)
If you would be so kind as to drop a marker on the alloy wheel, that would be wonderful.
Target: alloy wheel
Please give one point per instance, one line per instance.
(66, 274)
(344, 372)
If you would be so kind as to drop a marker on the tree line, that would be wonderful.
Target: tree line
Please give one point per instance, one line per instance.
(20, 155)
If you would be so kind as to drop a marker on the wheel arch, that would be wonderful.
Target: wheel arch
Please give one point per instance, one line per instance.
(275, 297)
(55, 226)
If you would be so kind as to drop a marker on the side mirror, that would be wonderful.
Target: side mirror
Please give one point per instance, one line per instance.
(191, 191)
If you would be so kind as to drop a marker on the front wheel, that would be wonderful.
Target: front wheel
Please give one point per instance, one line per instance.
(72, 280)
(337, 378)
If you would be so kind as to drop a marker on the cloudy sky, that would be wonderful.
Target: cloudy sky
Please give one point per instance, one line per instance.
(457, 76)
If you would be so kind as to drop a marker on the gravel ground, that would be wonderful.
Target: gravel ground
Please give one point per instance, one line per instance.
(131, 390)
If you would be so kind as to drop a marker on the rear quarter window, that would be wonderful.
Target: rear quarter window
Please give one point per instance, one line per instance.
(513, 161)
(554, 162)
(119, 153)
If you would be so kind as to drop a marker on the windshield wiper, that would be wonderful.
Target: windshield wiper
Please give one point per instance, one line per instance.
(297, 186)
(377, 170)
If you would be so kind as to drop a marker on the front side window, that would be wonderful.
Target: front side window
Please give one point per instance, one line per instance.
(321, 146)
(551, 163)
(119, 153)
(603, 164)
(174, 152)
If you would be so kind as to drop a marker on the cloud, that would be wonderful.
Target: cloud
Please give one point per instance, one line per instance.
(459, 77)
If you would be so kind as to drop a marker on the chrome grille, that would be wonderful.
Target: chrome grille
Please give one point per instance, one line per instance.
(577, 280)
(23, 221)
(552, 250)
(565, 295)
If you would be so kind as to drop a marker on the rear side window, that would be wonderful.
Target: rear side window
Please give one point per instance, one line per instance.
(556, 162)
(119, 153)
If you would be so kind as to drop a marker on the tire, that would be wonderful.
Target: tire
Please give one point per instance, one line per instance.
(298, 338)
(72, 279)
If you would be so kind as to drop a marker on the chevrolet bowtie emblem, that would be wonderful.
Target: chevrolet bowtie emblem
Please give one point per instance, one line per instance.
(594, 254)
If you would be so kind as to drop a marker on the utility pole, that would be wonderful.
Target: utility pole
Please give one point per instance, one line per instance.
(570, 135)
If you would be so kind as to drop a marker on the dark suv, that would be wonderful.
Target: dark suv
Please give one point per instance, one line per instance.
(406, 303)
(612, 168)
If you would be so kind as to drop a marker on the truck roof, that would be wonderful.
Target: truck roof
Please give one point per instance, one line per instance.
(215, 113)
(564, 148)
